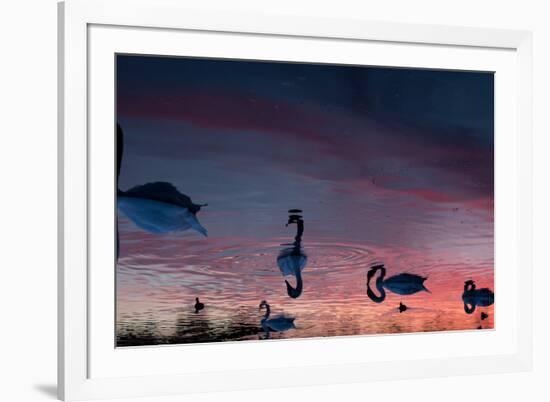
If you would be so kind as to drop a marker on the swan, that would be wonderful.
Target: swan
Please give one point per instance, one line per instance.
(292, 260)
(198, 305)
(156, 207)
(473, 297)
(402, 284)
(280, 323)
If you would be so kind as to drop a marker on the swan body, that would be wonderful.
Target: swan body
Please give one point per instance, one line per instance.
(401, 284)
(158, 217)
(473, 297)
(291, 261)
(279, 323)
(156, 207)
(405, 284)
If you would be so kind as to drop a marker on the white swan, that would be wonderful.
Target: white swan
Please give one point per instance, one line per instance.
(280, 323)
(142, 206)
(156, 207)
(292, 260)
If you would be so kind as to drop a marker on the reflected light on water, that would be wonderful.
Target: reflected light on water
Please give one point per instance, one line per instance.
(158, 280)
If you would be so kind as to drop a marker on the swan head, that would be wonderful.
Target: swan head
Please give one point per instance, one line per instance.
(294, 219)
(197, 299)
(263, 304)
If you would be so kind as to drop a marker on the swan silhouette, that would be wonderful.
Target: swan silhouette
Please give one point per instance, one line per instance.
(292, 260)
(156, 207)
(402, 284)
(198, 305)
(473, 297)
(280, 323)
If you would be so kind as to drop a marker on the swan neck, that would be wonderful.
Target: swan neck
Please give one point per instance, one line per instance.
(382, 273)
(379, 286)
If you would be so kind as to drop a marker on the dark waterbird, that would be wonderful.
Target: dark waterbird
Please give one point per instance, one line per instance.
(279, 323)
(198, 305)
(484, 316)
(473, 297)
(292, 260)
(156, 207)
(402, 307)
(401, 284)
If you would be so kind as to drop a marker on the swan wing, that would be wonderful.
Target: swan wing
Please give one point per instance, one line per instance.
(405, 284)
(163, 192)
(281, 323)
(289, 263)
(190, 219)
(158, 217)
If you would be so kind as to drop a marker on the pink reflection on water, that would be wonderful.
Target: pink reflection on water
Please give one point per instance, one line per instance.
(158, 278)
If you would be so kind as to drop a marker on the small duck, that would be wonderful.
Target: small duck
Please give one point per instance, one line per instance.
(484, 315)
(402, 307)
(198, 305)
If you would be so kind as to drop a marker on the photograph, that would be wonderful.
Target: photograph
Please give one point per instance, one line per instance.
(261, 200)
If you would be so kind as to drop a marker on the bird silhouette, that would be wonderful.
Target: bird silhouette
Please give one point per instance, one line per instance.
(401, 284)
(156, 207)
(292, 260)
(473, 297)
(198, 305)
(279, 323)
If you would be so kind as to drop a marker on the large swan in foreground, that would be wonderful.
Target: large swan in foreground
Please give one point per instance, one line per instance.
(401, 284)
(156, 207)
(280, 323)
(473, 297)
(292, 260)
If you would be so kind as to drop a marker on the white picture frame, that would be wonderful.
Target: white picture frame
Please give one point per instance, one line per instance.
(90, 31)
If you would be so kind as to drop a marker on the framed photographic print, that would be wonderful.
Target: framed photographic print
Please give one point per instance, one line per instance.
(243, 197)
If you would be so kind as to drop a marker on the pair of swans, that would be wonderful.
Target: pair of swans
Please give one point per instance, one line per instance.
(292, 260)
(473, 297)
(280, 323)
(401, 284)
(156, 207)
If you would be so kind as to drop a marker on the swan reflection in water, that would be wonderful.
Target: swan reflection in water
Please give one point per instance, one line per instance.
(473, 297)
(156, 207)
(401, 284)
(280, 323)
(292, 260)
